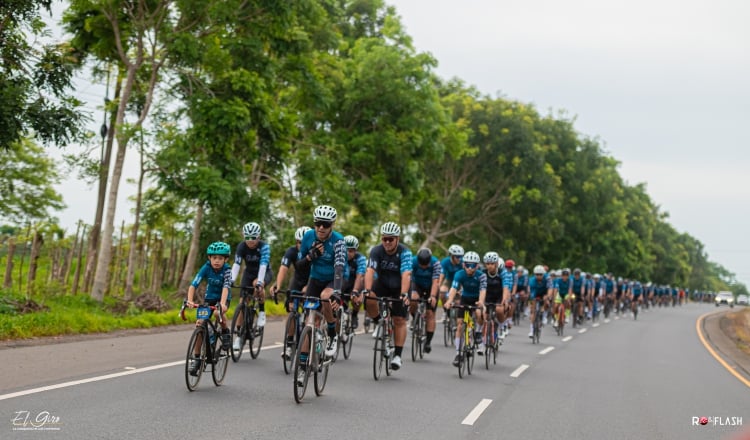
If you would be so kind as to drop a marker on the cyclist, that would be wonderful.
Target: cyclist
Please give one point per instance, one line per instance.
(324, 252)
(473, 283)
(391, 261)
(636, 295)
(257, 257)
(596, 290)
(355, 281)
(522, 287)
(508, 271)
(425, 277)
(539, 288)
(450, 265)
(217, 274)
(499, 286)
(580, 292)
(608, 286)
(563, 292)
(296, 284)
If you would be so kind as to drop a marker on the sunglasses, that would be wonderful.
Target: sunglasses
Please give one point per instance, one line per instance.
(389, 239)
(251, 237)
(324, 224)
(471, 265)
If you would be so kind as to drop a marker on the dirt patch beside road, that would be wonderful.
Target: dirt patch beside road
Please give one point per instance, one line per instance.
(736, 325)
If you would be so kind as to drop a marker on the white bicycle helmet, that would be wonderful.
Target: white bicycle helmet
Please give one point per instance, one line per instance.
(456, 250)
(471, 257)
(351, 242)
(324, 213)
(491, 257)
(539, 270)
(251, 231)
(390, 228)
(300, 232)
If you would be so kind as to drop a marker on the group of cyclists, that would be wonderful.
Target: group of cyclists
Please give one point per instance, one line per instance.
(328, 265)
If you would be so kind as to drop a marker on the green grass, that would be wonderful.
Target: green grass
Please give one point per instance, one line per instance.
(73, 315)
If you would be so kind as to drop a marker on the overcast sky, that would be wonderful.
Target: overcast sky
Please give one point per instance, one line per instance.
(662, 83)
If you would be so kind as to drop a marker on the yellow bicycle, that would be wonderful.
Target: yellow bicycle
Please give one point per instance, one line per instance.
(467, 347)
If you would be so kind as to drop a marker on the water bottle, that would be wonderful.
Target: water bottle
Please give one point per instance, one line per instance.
(318, 341)
(211, 335)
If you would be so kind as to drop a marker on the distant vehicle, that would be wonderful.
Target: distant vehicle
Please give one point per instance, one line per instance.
(743, 300)
(724, 298)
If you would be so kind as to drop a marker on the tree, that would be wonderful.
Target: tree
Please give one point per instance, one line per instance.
(35, 79)
(26, 183)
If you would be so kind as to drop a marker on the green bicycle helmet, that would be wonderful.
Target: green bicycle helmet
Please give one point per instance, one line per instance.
(218, 248)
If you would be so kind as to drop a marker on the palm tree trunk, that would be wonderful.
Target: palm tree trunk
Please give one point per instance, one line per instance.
(189, 272)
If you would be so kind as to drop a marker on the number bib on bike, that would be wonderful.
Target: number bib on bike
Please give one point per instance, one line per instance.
(204, 312)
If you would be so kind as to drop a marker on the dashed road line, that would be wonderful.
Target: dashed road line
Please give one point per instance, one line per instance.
(567, 338)
(518, 371)
(583, 330)
(476, 412)
(547, 350)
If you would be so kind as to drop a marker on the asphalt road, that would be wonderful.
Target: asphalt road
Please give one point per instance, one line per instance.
(623, 379)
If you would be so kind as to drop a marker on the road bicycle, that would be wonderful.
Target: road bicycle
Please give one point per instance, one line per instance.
(346, 331)
(536, 332)
(206, 335)
(311, 358)
(449, 327)
(418, 332)
(292, 330)
(491, 341)
(247, 330)
(383, 348)
(467, 346)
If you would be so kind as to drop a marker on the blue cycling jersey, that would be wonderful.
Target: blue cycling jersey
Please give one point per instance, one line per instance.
(334, 255)
(216, 281)
(538, 289)
(450, 269)
(423, 277)
(637, 289)
(563, 286)
(578, 284)
(471, 285)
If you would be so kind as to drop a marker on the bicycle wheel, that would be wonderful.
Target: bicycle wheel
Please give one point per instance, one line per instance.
(388, 350)
(470, 354)
(416, 337)
(238, 333)
(320, 367)
(422, 336)
(447, 332)
(221, 362)
(347, 346)
(462, 358)
(301, 369)
(378, 357)
(288, 361)
(489, 345)
(255, 333)
(192, 380)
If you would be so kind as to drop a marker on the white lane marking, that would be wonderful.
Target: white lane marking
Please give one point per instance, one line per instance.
(519, 370)
(567, 338)
(617, 317)
(476, 412)
(583, 330)
(595, 325)
(128, 371)
(546, 350)
(606, 321)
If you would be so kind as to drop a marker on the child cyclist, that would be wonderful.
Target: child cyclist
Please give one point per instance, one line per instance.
(218, 276)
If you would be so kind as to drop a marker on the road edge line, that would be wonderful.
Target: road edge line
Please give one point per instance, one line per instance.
(699, 330)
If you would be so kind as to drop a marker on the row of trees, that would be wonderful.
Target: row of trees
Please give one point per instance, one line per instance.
(259, 110)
